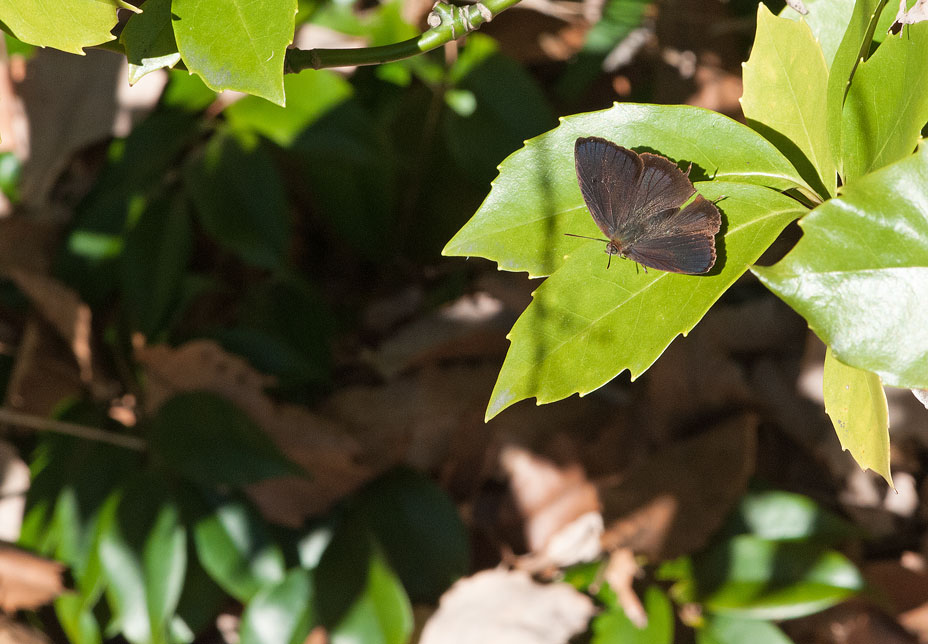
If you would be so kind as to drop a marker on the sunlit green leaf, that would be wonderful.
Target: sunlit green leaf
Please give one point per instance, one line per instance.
(536, 199)
(777, 515)
(68, 25)
(755, 578)
(77, 621)
(828, 20)
(149, 40)
(587, 324)
(234, 547)
(236, 44)
(722, 629)
(887, 104)
(281, 613)
(856, 403)
(859, 275)
(785, 82)
(613, 626)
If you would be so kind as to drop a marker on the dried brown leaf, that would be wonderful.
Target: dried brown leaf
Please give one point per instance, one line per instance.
(26, 580)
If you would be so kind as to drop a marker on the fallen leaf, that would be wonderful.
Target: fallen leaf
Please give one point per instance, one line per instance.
(26, 580)
(672, 503)
(508, 607)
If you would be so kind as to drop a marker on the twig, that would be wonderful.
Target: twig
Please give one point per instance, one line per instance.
(29, 421)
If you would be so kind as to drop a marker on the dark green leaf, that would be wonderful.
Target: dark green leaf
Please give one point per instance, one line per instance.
(234, 547)
(280, 613)
(207, 439)
(614, 627)
(536, 199)
(155, 259)
(240, 199)
(586, 324)
(859, 275)
(148, 38)
(341, 574)
(419, 530)
(756, 578)
(77, 620)
(236, 44)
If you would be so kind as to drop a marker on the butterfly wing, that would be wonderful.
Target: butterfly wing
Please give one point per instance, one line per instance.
(608, 178)
(680, 241)
(662, 186)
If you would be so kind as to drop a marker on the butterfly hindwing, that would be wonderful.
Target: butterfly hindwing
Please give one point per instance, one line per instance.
(682, 241)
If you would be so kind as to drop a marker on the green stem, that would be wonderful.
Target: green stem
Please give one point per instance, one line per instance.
(465, 20)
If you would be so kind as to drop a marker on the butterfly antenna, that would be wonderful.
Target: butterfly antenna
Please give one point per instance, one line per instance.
(609, 262)
(585, 237)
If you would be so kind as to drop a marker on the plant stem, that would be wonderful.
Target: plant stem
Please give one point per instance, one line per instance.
(465, 20)
(29, 421)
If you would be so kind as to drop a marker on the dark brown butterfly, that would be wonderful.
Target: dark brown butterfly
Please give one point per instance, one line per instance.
(635, 200)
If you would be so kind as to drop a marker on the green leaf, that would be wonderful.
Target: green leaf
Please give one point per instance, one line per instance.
(856, 403)
(854, 46)
(536, 198)
(586, 324)
(785, 82)
(887, 104)
(207, 439)
(236, 44)
(281, 613)
(828, 21)
(240, 199)
(144, 555)
(613, 626)
(77, 620)
(778, 516)
(68, 25)
(310, 94)
(154, 262)
(859, 275)
(722, 629)
(419, 530)
(148, 39)
(234, 547)
(754, 578)
(381, 614)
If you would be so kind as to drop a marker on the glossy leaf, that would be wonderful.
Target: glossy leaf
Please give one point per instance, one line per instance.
(310, 94)
(755, 578)
(613, 626)
(381, 614)
(785, 82)
(779, 516)
(536, 198)
(236, 44)
(68, 25)
(859, 275)
(281, 613)
(154, 262)
(419, 530)
(856, 403)
(587, 324)
(149, 40)
(721, 629)
(207, 439)
(234, 547)
(240, 200)
(887, 104)
(854, 45)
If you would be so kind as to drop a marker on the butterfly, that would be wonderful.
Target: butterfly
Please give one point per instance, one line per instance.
(636, 200)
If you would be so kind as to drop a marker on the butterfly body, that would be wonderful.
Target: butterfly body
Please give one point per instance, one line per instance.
(637, 202)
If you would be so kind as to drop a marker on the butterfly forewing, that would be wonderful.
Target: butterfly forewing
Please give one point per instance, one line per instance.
(662, 186)
(607, 174)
